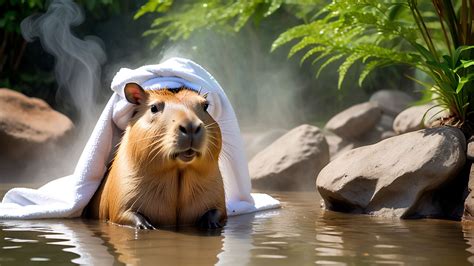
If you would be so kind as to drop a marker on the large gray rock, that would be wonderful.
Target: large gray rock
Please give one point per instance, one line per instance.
(355, 121)
(392, 101)
(292, 162)
(396, 176)
(337, 145)
(257, 141)
(411, 119)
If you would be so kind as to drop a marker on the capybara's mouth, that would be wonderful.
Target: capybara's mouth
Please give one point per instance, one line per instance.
(186, 156)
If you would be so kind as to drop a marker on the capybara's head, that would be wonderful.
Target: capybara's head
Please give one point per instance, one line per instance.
(172, 127)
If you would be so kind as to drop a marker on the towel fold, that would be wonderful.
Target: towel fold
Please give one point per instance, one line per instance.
(67, 196)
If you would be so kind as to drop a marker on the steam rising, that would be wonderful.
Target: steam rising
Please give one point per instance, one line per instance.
(78, 75)
(78, 62)
(264, 90)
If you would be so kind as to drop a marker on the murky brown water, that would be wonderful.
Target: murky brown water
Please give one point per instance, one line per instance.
(298, 234)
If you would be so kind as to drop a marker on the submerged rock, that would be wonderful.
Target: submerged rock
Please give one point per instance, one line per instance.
(411, 119)
(397, 176)
(292, 162)
(355, 121)
(28, 124)
(392, 102)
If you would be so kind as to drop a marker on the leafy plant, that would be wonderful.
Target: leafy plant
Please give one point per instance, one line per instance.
(453, 88)
(180, 20)
(432, 36)
(381, 33)
(450, 69)
(373, 32)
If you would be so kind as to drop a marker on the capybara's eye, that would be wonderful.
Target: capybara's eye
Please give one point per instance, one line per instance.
(205, 106)
(157, 107)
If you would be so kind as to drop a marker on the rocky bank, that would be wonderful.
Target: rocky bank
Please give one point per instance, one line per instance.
(400, 176)
(30, 130)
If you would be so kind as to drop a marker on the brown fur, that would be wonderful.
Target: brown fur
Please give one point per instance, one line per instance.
(144, 176)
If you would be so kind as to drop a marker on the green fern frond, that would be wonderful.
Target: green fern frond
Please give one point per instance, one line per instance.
(368, 68)
(311, 52)
(274, 6)
(344, 67)
(291, 34)
(327, 62)
(302, 44)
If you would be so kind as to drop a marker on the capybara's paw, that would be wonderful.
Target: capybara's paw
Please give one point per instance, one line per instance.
(210, 220)
(141, 222)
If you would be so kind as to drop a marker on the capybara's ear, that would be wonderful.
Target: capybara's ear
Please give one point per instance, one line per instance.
(134, 93)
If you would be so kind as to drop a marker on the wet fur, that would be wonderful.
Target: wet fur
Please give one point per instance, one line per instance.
(144, 176)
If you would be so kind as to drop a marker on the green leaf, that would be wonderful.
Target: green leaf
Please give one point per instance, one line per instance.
(424, 52)
(301, 45)
(274, 6)
(464, 64)
(329, 61)
(311, 52)
(463, 81)
(289, 35)
(321, 56)
(428, 86)
(369, 67)
(344, 67)
(152, 6)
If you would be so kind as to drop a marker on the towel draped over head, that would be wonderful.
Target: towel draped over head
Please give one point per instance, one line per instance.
(67, 196)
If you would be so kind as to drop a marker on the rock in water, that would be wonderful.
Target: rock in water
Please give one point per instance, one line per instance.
(355, 121)
(392, 101)
(397, 176)
(292, 162)
(27, 124)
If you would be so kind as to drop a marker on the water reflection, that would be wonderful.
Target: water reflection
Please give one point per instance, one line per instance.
(52, 241)
(299, 234)
(168, 247)
(238, 237)
(347, 239)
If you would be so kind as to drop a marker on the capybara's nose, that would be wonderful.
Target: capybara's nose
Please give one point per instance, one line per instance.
(191, 132)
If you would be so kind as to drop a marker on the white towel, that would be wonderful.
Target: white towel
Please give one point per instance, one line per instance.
(67, 196)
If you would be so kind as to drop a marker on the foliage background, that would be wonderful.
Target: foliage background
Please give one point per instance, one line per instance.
(432, 37)
(235, 46)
